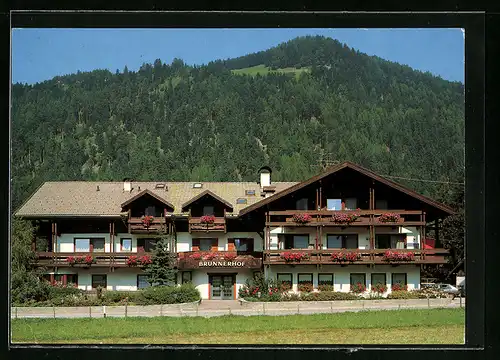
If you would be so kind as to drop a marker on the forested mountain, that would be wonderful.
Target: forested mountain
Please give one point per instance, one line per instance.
(178, 123)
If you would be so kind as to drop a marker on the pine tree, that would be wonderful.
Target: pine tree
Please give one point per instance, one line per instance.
(162, 270)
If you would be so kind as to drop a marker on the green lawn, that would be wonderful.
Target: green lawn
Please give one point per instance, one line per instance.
(429, 326)
(263, 70)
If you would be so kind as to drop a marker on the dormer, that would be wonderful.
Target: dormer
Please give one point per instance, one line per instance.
(207, 203)
(147, 202)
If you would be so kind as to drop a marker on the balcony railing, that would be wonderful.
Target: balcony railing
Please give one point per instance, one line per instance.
(218, 225)
(356, 256)
(366, 218)
(107, 259)
(136, 225)
(220, 259)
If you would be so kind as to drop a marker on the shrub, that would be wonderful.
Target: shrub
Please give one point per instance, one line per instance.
(291, 297)
(168, 294)
(399, 287)
(305, 287)
(325, 287)
(259, 284)
(58, 290)
(358, 288)
(330, 296)
(112, 297)
(403, 295)
(379, 288)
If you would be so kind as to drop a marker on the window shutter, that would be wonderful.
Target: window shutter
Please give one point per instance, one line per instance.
(230, 245)
(215, 245)
(195, 245)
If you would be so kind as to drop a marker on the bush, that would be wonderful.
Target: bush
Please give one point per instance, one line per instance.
(164, 294)
(58, 290)
(259, 284)
(27, 287)
(291, 297)
(330, 296)
(305, 287)
(113, 297)
(403, 295)
(429, 293)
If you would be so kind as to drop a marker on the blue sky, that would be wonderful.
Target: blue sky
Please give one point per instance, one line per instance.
(40, 54)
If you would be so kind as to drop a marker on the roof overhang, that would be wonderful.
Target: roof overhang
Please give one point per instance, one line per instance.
(358, 169)
(147, 192)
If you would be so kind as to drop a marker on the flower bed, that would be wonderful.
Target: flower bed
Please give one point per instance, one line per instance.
(345, 218)
(301, 218)
(325, 287)
(399, 287)
(294, 256)
(345, 256)
(398, 256)
(305, 286)
(389, 217)
(358, 288)
(207, 219)
(379, 288)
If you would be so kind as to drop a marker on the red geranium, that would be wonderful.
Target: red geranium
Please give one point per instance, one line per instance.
(132, 260)
(301, 218)
(345, 256)
(207, 219)
(399, 287)
(229, 256)
(398, 256)
(389, 217)
(147, 220)
(293, 256)
(145, 260)
(358, 288)
(196, 256)
(344, 218)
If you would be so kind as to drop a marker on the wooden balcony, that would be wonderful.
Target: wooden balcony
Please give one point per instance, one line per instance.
(220, 260)
(371, 256)
(101, 259)
(136, 226)
(219, 225)
(366, 218)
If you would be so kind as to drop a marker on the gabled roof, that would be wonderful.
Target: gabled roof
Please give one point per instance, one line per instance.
(209, 193)
(80, 198)
(148, 192)
(354, 167)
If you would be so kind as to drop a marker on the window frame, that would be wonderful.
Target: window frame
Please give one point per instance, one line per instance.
(142, 275)
(331, 274)
(406, 278)
(121, 244)
(105, 280)
(350, 278)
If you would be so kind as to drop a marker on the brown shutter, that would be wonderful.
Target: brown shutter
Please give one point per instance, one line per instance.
(195, 245)
(215, 244)
(230, 245)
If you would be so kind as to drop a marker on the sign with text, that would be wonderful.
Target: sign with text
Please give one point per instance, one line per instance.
(221, 264)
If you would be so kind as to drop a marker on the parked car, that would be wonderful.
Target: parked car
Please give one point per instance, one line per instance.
(449, 289)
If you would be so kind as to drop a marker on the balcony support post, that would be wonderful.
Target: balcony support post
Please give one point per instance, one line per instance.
(320, 202)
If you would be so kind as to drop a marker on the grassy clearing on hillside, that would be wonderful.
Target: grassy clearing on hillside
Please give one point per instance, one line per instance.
(263, 70)
(437, 326)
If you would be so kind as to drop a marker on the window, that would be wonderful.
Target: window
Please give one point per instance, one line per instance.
(72, 279)
(399, 278)
(300, 241)
(382, 241)
(206, 244)
(82, 245)
(142, 281)
(378, 279)
(241, 201)
(305, 278)
(208, 210)
(285, 280)
(381, 205)
(197, 185)
(159, 186)
(398, 241)
(97, 244)
(99, 280)
(186, 277)
(249, 192)
(243, 244)
(150, 211)
(126, 245)
(325, 279)
(146, 244)
(334, 204)
(301, 204)
(358, 278)
(58, 277)
(349, 241)
(351, 204)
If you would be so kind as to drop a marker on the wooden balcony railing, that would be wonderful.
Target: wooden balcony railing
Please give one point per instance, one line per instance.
(220, 259)
(101, 259)
(218, 225)
(366, 218)
(135, 225)
(370, 256)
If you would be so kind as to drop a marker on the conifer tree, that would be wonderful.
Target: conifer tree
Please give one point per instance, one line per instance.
(163, 268)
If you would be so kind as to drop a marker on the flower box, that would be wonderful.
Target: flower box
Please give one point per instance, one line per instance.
(294, 256)
(147, 220)
(358, 288)
(389, 218)
(399, 287)
(301, 218)
(396, 256)
(344, 218)
(305, 286)
(132, 260)
(345, 256)
(379, 288)
(207, 219)
(229, 256)
(210, 256)
(195, 256)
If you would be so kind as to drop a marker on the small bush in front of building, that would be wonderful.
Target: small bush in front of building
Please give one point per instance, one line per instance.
(164, 294)
(403, 294)
(330, 296)
(305, 287)
(59, 290)
(114, 297)
(325, 287)
(291, 297)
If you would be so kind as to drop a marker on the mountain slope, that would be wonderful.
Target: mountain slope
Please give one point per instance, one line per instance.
(177, 122)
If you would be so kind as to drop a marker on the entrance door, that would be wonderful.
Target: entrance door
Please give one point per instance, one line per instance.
(221, 287)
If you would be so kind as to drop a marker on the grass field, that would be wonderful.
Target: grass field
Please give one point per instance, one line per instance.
(263, 70)
(429, 326)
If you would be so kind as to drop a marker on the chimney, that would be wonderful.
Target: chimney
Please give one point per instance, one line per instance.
(127, 185)
(265, 181)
